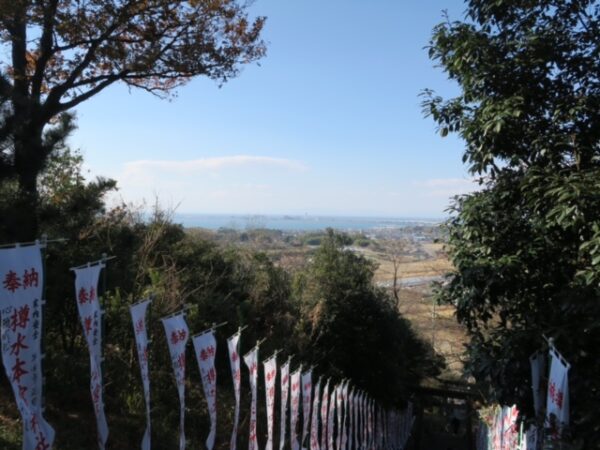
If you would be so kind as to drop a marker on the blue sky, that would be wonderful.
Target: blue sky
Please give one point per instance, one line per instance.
(329, 123)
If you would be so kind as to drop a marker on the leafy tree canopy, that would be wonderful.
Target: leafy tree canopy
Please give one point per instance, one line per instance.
(351, 327)
(63, 52)
(526, 246)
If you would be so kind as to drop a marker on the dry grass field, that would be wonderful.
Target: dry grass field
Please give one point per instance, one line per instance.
(434, 323)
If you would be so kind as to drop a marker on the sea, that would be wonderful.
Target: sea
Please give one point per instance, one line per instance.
(299, 223)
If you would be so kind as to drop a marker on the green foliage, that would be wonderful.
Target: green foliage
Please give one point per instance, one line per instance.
(526, 246)
(331, 315)
(340, 310)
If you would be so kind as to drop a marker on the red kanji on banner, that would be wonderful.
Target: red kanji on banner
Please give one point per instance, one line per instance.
(139, 326)
(178, 336)
(211, 376)
(18, 371)
(19, 318)
(96, 394)
(41, 443)
(92, 294)
(87, 321)
(22, 392)
(552, 390)
(30, 279)
(15, 349)
(181, 361)
(11, 281)
(83, 296)
(559, 399)
(234, 356)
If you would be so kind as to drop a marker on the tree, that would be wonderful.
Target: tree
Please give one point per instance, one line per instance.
(526, 247)
(352, 328)
(395, 250)
(64, 52)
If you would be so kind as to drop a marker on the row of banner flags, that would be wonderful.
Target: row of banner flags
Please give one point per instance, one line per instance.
(334, 417)
(499, 428)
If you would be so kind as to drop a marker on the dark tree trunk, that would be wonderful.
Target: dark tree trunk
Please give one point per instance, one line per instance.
(29, 157)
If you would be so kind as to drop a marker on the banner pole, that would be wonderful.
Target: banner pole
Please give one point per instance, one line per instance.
(212, 328)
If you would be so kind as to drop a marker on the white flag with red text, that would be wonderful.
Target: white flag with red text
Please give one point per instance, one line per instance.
(177, 334)
(314, 423)
(324, 412)
(294, 410)
(344, 442)
(557, 401)
(251, 360)
(270, 367)
(285, 389)
(338, 407)
(351, 419)
(331, 419)
(21, 293)
(138, 318)
(205, 347)
(306, 396)
(86, 291)
(233, 345)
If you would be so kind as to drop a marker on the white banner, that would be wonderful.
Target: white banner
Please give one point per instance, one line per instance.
(285, 389)
(86, 291)
(270, 367)
(177, 334)
(510, 429)
(358, 421)
(338, 406)
(557, 401)
(324, 412)
(371, 425)
(530, 439)
(345, 415)
(363, 421)
(354, 431)
(294, 410)
(365, 416)
(138, 318)
(306, 396)
(21, 293)
(251, 360)
(205, 347)
(538, 367)
(351, 419)
(331, 419)
(233, 344)
(314, 423)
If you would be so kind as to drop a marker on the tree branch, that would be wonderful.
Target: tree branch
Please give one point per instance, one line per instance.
(90, 93)
(46, 49)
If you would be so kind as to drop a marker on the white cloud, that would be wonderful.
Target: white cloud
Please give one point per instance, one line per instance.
(215, 164)
(229, 183)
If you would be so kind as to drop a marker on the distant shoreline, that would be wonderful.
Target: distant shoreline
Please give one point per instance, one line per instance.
(287, 222)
